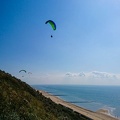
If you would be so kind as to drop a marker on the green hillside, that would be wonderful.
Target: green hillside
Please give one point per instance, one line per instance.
(19, 101)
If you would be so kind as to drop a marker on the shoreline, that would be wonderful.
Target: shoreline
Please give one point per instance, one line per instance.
(98, 115)
(104, 111)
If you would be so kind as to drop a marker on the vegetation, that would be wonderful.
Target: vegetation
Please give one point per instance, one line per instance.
(19, 101)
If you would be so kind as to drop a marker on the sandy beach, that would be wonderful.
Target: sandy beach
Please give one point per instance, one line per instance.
(99, 115)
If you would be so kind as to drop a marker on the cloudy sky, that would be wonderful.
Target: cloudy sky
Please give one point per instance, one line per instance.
(85, 48)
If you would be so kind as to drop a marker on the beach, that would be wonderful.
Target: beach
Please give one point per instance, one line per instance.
(98, 115)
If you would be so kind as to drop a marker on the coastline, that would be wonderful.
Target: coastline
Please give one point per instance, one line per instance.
(98, 115)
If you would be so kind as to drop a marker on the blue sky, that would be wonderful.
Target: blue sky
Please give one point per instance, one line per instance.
(86, 41)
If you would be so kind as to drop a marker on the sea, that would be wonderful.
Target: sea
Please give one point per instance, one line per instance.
(90, 97)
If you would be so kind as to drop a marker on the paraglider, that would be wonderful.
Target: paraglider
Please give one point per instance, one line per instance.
(22, 71)
(53, 25)
(29, 73)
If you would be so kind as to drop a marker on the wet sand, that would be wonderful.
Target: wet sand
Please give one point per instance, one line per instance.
(104, 111)
(99, 115)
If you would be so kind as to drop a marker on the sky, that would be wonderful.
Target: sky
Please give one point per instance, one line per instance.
(84, 49)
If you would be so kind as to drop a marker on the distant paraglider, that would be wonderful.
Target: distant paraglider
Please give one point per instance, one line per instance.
(23, 71)
(29, 73)
(53, 25)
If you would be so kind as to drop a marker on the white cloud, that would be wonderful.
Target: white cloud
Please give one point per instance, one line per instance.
(94, 78)
(94, 74)
(104, 75)
(75, 74)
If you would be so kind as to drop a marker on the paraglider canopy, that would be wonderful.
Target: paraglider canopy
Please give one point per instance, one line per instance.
(53, 25)
(22, 70)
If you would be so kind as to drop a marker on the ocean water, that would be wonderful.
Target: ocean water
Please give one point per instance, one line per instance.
(89, 97)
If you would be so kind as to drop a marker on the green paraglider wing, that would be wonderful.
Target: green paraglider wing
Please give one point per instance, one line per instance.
(51, 23)
(22, 70)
